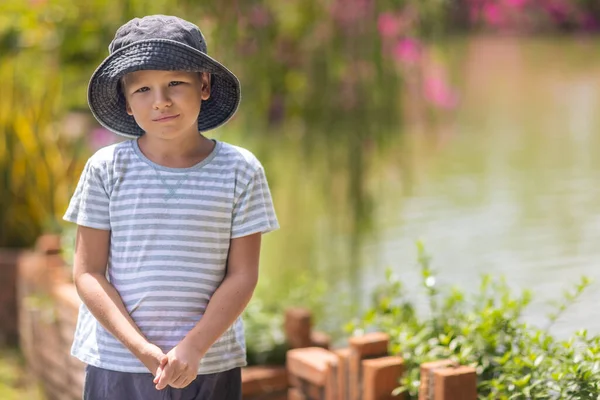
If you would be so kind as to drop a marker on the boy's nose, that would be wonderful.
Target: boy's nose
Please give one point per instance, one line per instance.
(161, 100)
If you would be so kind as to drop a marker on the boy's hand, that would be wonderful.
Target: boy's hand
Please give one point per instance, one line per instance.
(181, 368)
(153, 358)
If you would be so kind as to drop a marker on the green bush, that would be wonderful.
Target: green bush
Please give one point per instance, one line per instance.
(266, 342)
(513, 360)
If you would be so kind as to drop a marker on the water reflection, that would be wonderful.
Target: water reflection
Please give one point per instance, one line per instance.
(509, 186)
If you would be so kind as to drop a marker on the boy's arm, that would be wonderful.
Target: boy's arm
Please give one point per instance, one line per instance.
(103, 300)
(226, 304)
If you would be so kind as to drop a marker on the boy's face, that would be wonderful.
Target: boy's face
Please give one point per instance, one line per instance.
(166, 104)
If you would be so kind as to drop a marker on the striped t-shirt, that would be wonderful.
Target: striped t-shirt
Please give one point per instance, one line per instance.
(170, 230)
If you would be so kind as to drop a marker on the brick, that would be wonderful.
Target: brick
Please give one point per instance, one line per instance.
(455, 383)
(310, 364)
(8, 297)
(261, 380)
(66, 294)
(370, 345)
(343, 382)
(296, 394)
(381, 376)
(294, 381)
(269, 396)
(38, 273)
(26, 334)
(427, 375)
(320, 339)
(67, 304)
(48, 244)
(49, 248)
(30, 273)
(298, 326)
(75, 392)
(312, 392)
(314, 372)
(77, 371)
(51, 369)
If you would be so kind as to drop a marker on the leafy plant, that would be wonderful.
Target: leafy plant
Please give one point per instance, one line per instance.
(266, 342)
(38, 165)
(513, 360)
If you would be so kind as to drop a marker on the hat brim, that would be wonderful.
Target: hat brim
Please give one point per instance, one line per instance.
(107, 103)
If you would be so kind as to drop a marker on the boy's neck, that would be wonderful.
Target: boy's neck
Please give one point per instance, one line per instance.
(176, 153)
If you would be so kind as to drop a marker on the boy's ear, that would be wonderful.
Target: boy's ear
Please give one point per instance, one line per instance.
(128, 108)
(205, 79)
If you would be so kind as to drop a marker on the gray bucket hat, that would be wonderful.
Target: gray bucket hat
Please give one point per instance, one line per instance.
(159, 42)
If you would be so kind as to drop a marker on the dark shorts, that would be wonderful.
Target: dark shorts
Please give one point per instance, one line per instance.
(102, 384)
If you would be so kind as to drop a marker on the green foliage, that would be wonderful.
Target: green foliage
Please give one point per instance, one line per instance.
(266, 344)
(38, 166)
(302, 62)
(320, 62)
(68, 237)
(513, 360)
(264, 316)
(311, 63)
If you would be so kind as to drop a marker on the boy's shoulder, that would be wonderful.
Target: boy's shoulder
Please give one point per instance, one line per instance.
(236, 157)
(239, 157)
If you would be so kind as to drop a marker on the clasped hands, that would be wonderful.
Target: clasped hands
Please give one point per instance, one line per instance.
(178, 368)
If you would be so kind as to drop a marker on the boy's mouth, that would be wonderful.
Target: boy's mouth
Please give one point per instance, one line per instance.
(165, 118)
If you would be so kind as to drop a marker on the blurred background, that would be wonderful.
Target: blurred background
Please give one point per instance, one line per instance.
(468, 124)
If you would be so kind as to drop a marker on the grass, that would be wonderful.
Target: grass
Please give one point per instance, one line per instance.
(15, 381)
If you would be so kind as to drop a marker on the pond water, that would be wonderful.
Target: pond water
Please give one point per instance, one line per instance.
(508, 184)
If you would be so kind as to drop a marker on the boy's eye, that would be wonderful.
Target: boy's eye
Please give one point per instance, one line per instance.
(175, 83)
(142, 89)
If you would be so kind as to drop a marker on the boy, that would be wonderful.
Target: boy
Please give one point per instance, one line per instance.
(169, 223)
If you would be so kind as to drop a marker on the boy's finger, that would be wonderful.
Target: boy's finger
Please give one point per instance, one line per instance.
(159, 372)
(179, 382)
(164, 378)
(160, 369)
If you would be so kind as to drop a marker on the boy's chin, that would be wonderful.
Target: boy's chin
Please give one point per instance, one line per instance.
(172, 133)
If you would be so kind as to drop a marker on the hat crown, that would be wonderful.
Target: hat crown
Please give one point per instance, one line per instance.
(158, 27)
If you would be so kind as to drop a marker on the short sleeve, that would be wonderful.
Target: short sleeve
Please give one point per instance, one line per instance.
(253, 210)
(89, 205)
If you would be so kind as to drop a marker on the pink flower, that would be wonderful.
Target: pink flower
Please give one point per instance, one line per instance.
(101, 137)
(408, 51)
(515, 3)
(492, 14)
(388, 25)
(474, 13)
(438, 92)
(259, 17)
(590, 23)
(349, 12)
(557, 9)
